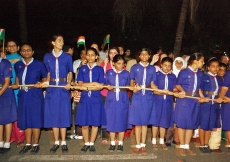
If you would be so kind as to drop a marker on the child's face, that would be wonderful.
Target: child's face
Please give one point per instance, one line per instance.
(112, 53)
(166, 66)
(144, 56)
(214, 67)
(58, 43)
(119, 65)
(200, 63)
(26, 51)
(222, 71)
(178, 64)
(91, 56)
(12, 47)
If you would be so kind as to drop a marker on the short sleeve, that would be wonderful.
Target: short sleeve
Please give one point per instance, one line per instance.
(203, 82)
(180, 78)
(7, 70)
(70, 63)
(227, 79)
(101, 76)
(154, 74)
(128, 78)
(174, 80)
(132, 73)
(80, 74)
(46, 62)
(43, 70)
(107, 78)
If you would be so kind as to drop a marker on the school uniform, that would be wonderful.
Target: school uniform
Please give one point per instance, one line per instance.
(117, 101)
(142, 101)
(225, 107)
(210, 111)
(162, 112)
(57, 109)
(31, 99)
(8, 107)
(187, 109)
(90, 108)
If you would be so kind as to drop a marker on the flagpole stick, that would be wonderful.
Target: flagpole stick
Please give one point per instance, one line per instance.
(3, 45)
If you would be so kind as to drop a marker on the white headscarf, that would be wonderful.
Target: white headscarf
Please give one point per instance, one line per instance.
(175, 70)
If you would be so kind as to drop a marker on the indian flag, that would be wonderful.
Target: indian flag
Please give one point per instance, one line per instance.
(81, 41)
(2, 34)
(106, 40)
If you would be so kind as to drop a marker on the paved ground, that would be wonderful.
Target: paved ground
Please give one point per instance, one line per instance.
(102, 153)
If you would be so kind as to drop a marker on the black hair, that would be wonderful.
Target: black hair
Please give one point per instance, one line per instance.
(167, 59)
(118, 57)
(28, 44)
(211, 60)
(92, 49)
(144, 49)
(225, 54)
(183, 53)
(66, 48)
(16, 42)
(193, 57)
(55, 36)
(221, 64)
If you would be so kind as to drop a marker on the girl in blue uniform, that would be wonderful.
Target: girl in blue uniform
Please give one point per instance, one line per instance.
(187, 109)
(117, 102)
(57, 110)
(31, 99)
(7, 105)
(141, 75)
(12, 49)
(225, 107)
(163, 104)
(209, 112)
(91, 110)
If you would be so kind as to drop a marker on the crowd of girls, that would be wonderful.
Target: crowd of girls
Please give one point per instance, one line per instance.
(199, 98)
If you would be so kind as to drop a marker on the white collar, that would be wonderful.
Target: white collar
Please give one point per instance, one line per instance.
(143, 65)
(212, 74)
(192, 69)
(58, 54)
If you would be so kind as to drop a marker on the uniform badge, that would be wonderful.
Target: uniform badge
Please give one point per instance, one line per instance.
(189, 76)
(10, 68)
(84, 70)
(111, 73)
(137, 69)
(207, 80)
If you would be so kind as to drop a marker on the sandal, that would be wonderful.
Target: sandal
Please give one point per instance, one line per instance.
(155, 147)
(104, 142)
(163, 146)
(20, 144)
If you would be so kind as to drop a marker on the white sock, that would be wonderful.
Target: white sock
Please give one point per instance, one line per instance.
(28, 144)
(87, 143)
(1, 144)
(186, 146)
(162, 141)
(56, 142)
(35, 144)
(63, 142)
(143, 145)
(7, 145)
(138, 146)
(113, 143)
(205, 145)
(120, 142)
(154, 141)
(91, 143)
(182, 146)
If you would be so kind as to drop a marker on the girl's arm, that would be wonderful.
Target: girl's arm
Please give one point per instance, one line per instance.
(69, 79)
(134, 88)
(5, 85)
(181, 93)
(16, 85)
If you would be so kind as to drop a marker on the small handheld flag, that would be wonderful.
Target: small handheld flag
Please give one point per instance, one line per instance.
(2, 34)
(81, 41)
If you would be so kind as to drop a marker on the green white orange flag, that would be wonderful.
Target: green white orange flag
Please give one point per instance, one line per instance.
(81, 41)
(2, 34)
(106, 40)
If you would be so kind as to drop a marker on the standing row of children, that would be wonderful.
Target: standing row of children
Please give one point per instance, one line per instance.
(152, 99)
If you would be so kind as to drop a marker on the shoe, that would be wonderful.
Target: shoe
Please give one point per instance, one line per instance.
(54, 148)
(164, 147)
(25, 149)
(180, 152)
(92, 149)
(112, 148)
(4, 150)
(35, 149)
(143, 151)
(208, 149)
(67, 138)
(136, 151)
(190, 152)
(120, 148)
(168, 144)
(84, 148)
(155, 147)
(203, 150)
(64, 148)
(218, 151)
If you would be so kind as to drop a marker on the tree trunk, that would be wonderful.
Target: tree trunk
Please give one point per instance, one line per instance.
(180, 28)
(22, 20)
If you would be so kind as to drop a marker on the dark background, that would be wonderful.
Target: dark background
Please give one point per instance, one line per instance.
(94, 19)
